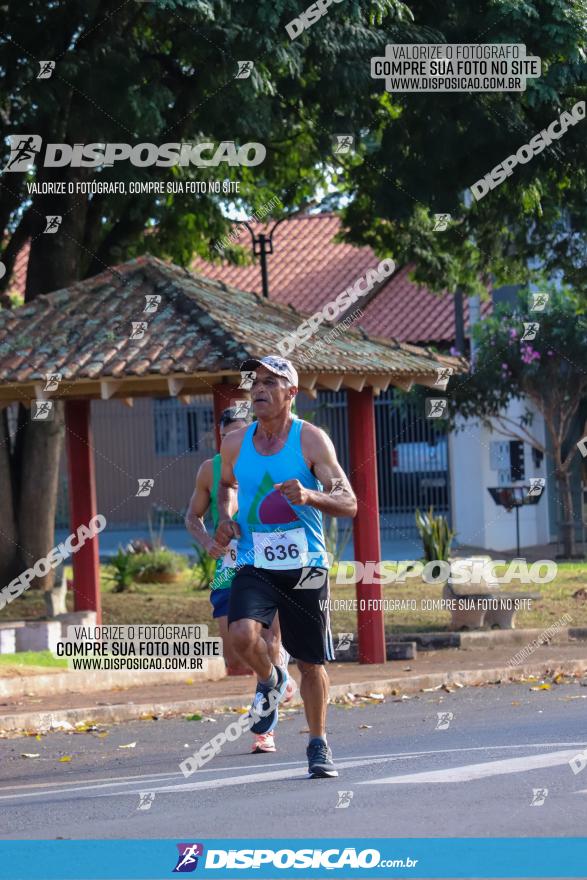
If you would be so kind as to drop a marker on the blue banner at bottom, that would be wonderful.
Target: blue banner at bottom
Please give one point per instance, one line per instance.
(294, 857)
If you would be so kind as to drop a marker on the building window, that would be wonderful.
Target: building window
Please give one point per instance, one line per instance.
(181, 429)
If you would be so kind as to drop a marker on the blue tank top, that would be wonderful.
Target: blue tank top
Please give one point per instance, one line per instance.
(274, 533)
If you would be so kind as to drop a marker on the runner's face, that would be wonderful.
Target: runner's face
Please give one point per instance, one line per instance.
(270, 393)
(233, 426)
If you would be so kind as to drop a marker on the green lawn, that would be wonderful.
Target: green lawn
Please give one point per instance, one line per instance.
(180, 603)
(32, 658)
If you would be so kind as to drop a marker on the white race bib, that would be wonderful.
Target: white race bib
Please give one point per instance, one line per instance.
(229, 558)
(287, 549)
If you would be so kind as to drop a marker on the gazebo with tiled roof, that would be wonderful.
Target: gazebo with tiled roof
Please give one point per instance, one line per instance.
(147, 328)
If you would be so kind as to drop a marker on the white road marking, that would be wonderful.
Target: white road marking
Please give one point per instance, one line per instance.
(477, 771)
(297, 770)
(267, 776)
(170, 774)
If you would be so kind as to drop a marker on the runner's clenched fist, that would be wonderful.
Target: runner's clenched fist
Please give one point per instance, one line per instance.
(293, 491)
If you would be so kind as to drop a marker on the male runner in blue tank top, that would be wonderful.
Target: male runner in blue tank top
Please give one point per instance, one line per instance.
(286, 474)
(203, 499)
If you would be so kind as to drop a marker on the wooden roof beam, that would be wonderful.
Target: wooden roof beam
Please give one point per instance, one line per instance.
(357, 383)
(308, 381)
(404, 383)
(40, 393)
(175, 386)
(332, 381)
(379, 383)
(109, 387)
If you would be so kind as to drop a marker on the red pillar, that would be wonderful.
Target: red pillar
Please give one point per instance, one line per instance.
(224, 396)
(363, 477)
(82, 505)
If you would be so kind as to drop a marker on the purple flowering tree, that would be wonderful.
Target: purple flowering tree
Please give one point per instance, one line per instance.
(536, 352)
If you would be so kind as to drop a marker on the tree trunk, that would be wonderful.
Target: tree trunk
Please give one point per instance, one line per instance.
(54, 263)
(566, 502)
(42, 445)
(8, 531)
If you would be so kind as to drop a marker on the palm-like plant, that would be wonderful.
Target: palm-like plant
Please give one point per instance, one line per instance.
(436, 535)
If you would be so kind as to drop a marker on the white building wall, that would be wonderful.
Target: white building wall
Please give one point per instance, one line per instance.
(478, 521)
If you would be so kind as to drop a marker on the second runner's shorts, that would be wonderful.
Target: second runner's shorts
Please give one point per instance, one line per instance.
(257, 593)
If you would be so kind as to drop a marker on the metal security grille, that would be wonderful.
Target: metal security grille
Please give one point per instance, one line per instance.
(412, 456)
(412, 460)
(180, 429)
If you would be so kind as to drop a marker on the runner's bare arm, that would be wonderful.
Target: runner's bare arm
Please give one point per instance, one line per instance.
(199, 504)
(338, 498)
(227, 489)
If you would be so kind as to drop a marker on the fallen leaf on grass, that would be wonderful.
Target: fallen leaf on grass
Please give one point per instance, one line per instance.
(65, 759)
(30, 755)
(128, 746)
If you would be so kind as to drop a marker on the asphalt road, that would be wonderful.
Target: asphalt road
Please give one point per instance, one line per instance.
(483, 774)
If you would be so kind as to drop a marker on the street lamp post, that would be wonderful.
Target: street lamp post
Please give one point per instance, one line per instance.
(263, 245)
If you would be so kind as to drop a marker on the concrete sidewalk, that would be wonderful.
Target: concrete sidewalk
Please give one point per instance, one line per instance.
(430, 670)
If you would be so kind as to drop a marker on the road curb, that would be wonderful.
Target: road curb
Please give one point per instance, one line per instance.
(119, 712)
(52, 683)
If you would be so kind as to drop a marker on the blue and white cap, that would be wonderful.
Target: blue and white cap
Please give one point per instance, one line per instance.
(275, 364)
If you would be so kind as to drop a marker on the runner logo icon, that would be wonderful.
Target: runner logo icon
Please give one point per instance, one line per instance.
(23, 150)
(187, 860)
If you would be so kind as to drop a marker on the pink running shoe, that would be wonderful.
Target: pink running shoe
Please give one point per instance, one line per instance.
(263, 742)
(290, 689)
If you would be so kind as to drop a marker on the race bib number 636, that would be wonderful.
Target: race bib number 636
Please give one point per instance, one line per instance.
(288, 549)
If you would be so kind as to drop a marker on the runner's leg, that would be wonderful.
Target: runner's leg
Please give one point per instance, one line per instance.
(251, 647)
(280, 656)
(265, 742)
(231, 658)
(314, 693)
(272, 637)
